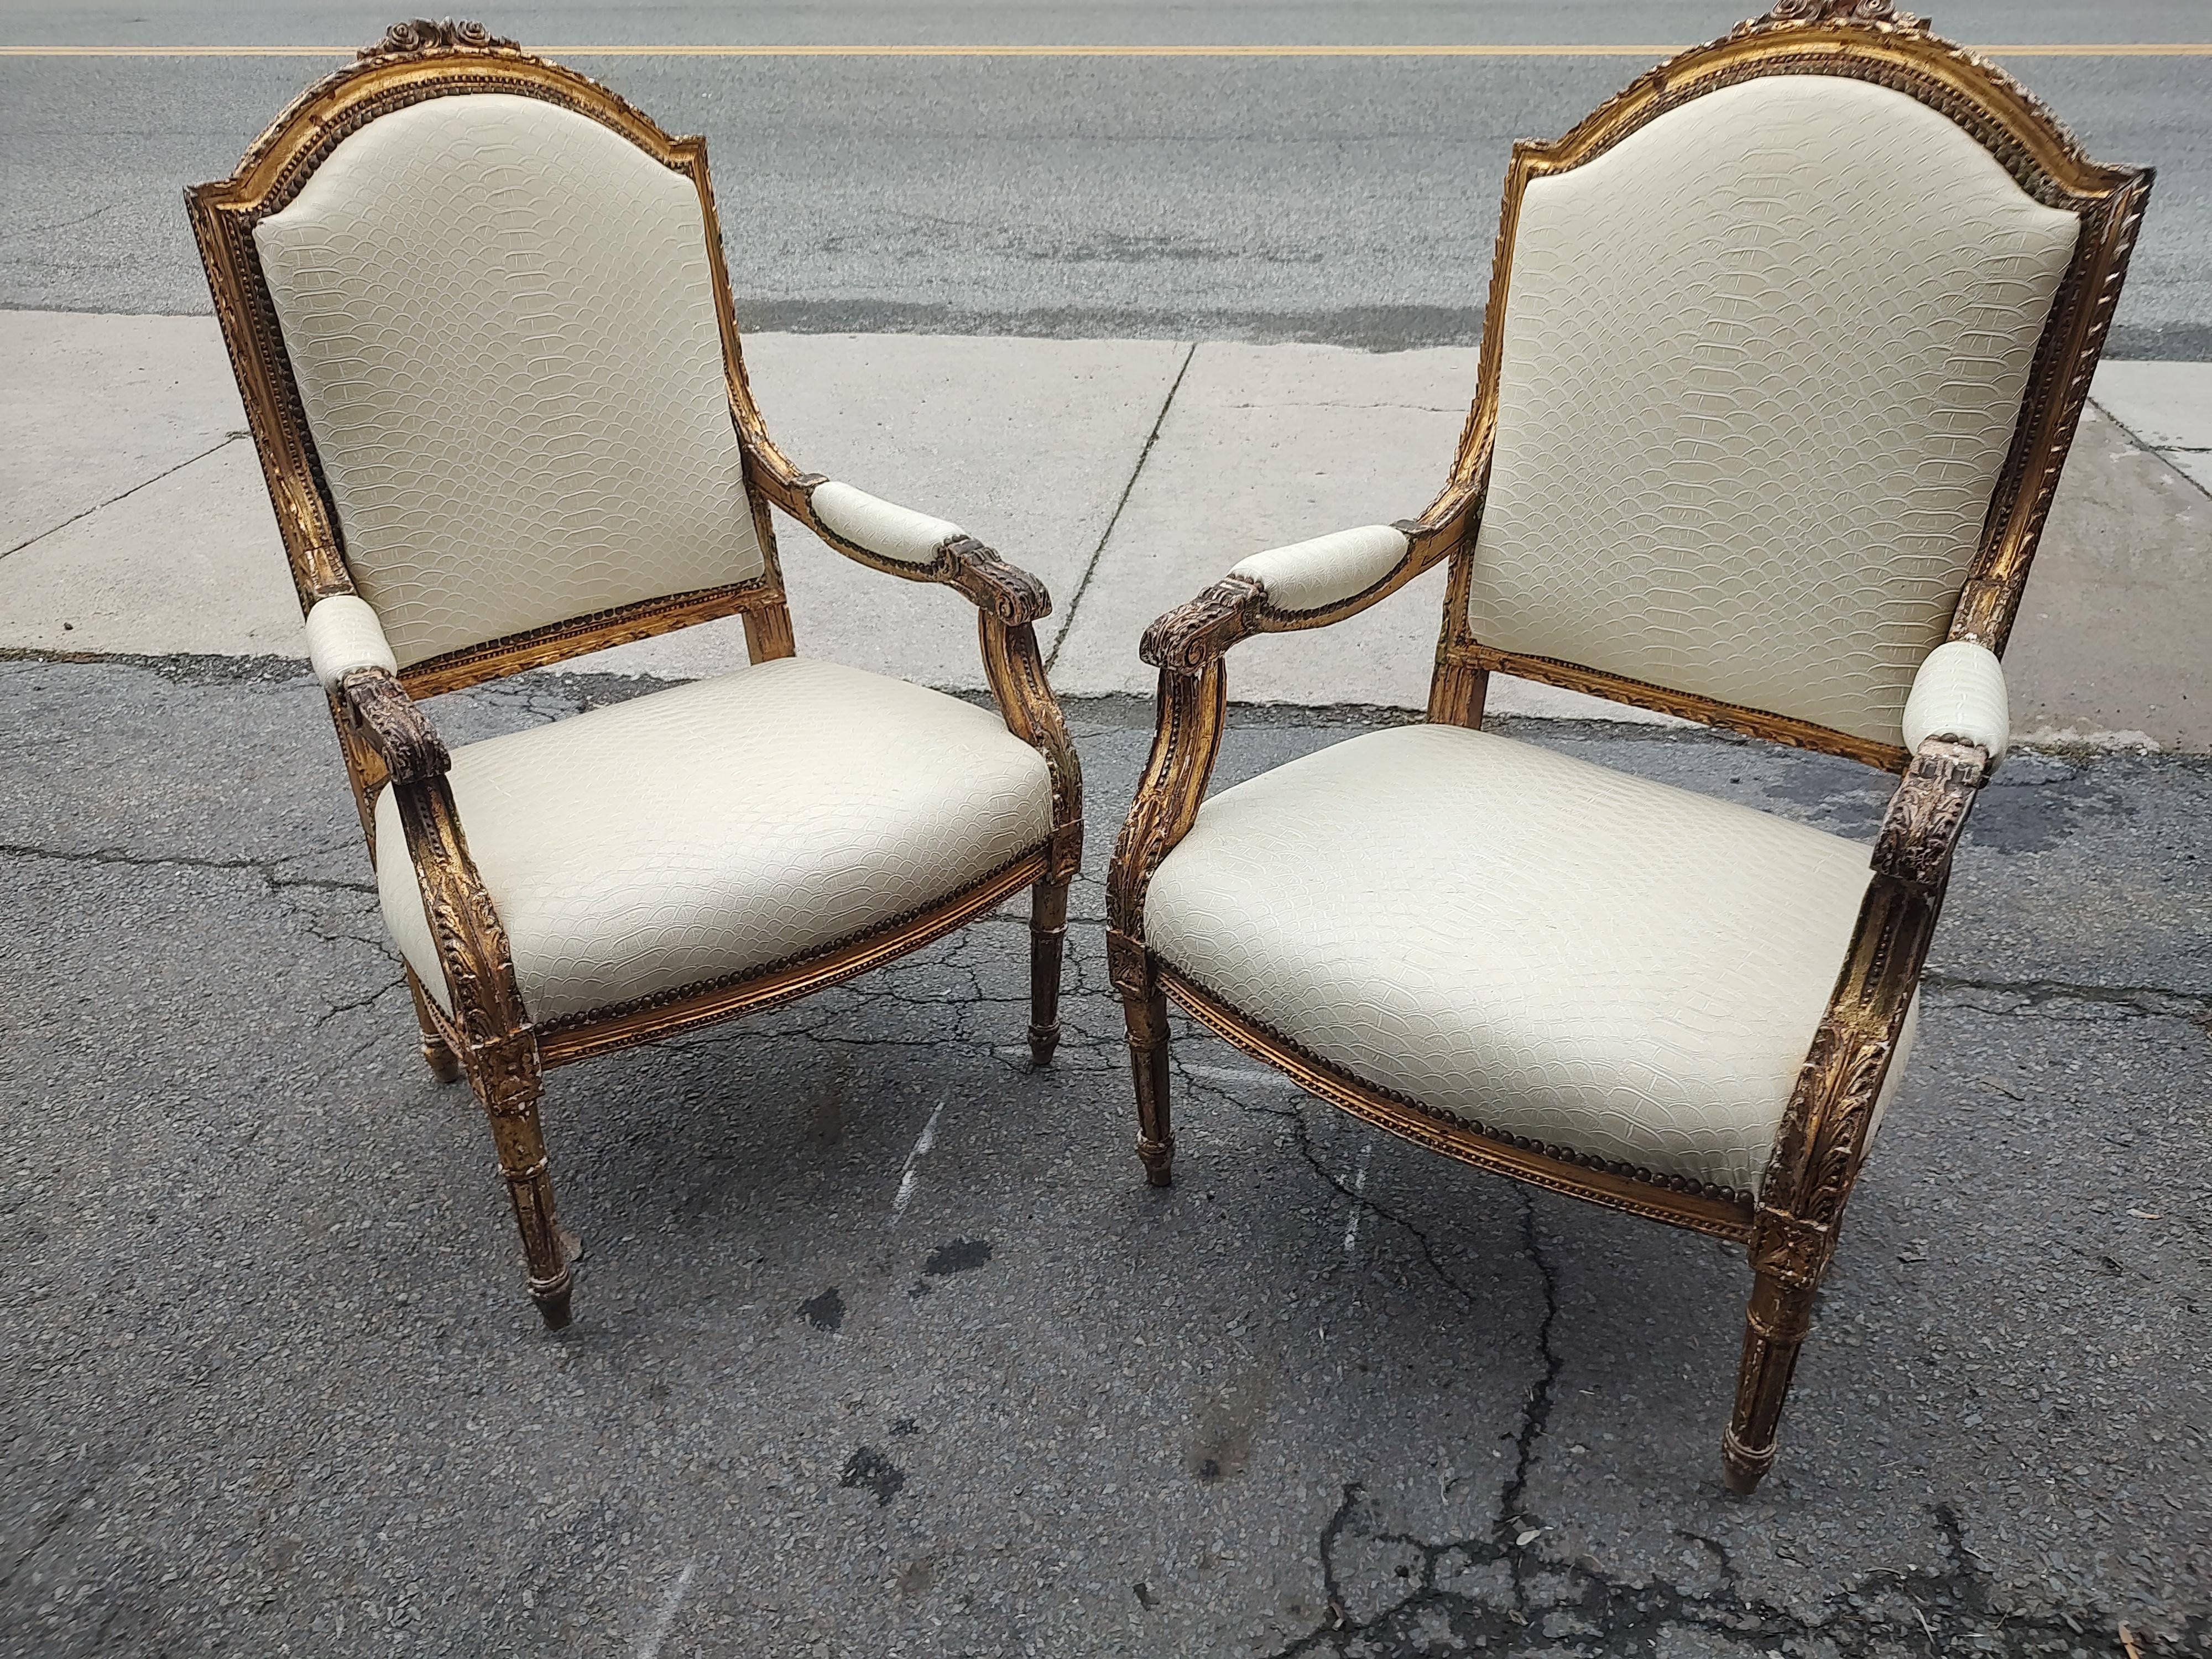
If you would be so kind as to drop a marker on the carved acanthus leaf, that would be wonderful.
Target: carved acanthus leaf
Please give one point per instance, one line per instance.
(1187, 637)
(1845, 1071)
(1836, 11)
(396, 728)
(1927, 814)
(436, 35)
(1128, 967)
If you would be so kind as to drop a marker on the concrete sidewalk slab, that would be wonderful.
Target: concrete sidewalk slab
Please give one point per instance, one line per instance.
(2166, 406)
(1267, 445)
(145, 531)
(189, 561)
(2114, 639)
(1028, 444)
(91, 407)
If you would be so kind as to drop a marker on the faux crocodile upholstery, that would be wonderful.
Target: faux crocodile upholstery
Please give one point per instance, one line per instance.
(1523, 940)
(343, 635)
(722, 825)
(500, 318)
(884, 528)
(1326, 570)
(1762, 362)
(1960, 694)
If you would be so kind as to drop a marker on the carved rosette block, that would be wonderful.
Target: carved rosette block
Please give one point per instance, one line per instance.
(435, 35)
(1883, 12)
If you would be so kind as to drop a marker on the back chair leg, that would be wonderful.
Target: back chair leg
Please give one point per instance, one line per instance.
(1775, 1327)
(1047, 948)
(1144, 1005)
(445, 1065)
(522, 1142)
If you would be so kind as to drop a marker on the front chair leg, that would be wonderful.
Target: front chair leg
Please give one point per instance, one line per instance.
(1048, 945)
(511, 1104)
(1144, 1005)
(1775, 1327)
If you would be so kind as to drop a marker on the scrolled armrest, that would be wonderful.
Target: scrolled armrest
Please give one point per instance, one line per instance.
(881, 528)
(393, 724)
(1307, 584)
(1189, 636)
(1325, 572)
(1927, 814)
(1006, 591)
(887, 536)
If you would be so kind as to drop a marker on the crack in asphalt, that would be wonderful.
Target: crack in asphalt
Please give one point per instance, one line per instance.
(265, 868)
(1302, 1138)
(1536, 1409)
(1578, 1609)
(2151, 999)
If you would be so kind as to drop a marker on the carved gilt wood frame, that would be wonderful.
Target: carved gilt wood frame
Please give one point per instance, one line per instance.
(386, 737)
(1789, 1226)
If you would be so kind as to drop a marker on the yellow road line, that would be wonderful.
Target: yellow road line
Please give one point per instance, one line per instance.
(2079, 49)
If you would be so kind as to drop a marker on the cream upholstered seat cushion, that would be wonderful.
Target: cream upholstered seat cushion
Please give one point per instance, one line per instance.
(502, 323)
(1761, 364)
(1523, 941)
(720, 827)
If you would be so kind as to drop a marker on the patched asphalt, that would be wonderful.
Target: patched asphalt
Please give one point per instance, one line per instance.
(270, 1382)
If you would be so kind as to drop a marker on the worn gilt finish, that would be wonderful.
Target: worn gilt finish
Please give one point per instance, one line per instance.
(388, 740)
(1791, 1225)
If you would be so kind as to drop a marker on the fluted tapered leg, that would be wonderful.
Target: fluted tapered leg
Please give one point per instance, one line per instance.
(1775, 1327)
(512, 1111)
(1047, 949)
(1147, 1011)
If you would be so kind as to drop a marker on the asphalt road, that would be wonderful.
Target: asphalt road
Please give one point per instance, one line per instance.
(1344, 199)
(271, 1384)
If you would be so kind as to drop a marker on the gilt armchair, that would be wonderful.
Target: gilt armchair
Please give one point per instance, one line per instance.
(478, 312)
(1785, 348)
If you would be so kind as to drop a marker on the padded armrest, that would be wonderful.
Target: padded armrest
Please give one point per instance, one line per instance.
(1312, 575)
(883, 528)
(1958, 696)
(343, 635)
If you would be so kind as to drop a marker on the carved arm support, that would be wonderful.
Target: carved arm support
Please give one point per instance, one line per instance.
(1823, 1136)
(376, 715)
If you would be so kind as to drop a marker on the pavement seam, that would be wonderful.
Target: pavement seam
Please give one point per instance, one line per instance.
(2163, 455)
(228, 439)
(1091, 567)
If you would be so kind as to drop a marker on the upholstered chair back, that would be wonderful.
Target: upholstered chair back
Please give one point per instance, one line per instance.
(1761, 365)
(502, 320)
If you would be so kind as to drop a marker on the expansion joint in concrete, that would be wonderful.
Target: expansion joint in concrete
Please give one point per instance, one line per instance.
(1144, 454)
(228, 439)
